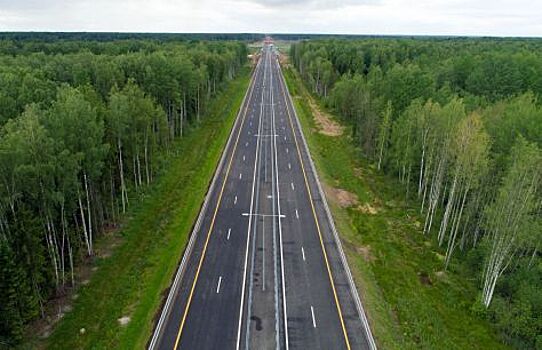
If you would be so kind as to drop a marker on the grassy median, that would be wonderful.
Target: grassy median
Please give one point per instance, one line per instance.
(412, 303)
(133, 278)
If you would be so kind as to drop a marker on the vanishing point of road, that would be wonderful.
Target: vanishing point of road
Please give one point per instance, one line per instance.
(264, 268)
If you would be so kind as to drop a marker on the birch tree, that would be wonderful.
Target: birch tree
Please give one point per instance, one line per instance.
(76, 125)
(470, 148)
(511, 218)
(383, 133)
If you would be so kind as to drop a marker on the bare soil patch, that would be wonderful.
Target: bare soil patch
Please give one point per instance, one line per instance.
(367, 208)
(284, 60)
(342, 197)
(254, 58)
(326, 125)
(124, 320)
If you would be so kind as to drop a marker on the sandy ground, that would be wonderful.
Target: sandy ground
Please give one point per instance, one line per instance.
(367, 209)
(342, 197)
(326, 125)
(284, 60)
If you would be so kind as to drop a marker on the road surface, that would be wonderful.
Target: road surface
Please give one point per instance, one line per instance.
(264, 268)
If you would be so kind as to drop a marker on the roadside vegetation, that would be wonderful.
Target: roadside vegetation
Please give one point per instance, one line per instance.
(411, 302)
(86, 128)
(443, 151)
(152, 240)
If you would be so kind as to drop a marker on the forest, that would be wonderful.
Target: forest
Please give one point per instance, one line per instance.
(83, 127)
(458, 122)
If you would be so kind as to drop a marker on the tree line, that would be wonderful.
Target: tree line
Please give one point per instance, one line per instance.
(82, 128)
(459, 123)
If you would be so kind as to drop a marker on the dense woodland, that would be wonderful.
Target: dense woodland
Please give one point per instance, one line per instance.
(459, 123)
(82, 128)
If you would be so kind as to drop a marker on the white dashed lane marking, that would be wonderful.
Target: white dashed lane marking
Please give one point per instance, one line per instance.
(218, 285)
(313, 318)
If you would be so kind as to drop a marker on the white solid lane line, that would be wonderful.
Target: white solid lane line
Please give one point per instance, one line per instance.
(283, 289)
(296, 214)
(235, 200)
(263, 252)
(245, 266)
(292, 185)
(303, 253)
(313, 318)
(229, 232)
(218, 285)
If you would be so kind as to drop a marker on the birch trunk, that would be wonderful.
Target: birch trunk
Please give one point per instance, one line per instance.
(83, 223)
(147, 156)
(451, 241)
(89, 210)
(449, 205)
(123, 195)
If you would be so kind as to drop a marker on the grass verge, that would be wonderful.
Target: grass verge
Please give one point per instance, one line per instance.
(133, 280)
(411, 302)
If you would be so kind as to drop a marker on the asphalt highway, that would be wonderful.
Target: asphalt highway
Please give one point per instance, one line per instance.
(264, 268)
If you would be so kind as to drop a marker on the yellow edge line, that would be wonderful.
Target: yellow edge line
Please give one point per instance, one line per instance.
(347, 341)
(187, 307)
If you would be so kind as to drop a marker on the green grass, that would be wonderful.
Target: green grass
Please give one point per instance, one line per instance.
(404, 311)
(133, 280)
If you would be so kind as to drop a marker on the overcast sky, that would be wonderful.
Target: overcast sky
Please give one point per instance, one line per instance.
(440, 17)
